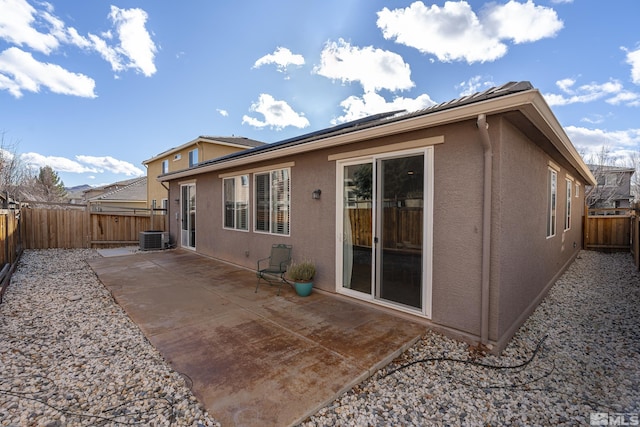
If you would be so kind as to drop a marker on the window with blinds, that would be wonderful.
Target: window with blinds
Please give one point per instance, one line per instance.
(236, 202)
(273, 201)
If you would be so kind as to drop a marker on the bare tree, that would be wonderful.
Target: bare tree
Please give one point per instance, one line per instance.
(13, 173)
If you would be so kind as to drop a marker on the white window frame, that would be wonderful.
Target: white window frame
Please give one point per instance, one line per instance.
(552, 201)
(165, 166)
(577, 190)
(240, 195)
(177, 157)
(276, 205)
(567, 216)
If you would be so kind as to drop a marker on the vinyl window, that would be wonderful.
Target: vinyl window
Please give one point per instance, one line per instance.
(193, 157)
(567, 218)
(273, 201)
(552, 191)
(165, 166)
(236, 202)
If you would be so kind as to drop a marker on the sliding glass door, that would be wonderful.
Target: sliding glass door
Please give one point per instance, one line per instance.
(188, 216)
(381, 232)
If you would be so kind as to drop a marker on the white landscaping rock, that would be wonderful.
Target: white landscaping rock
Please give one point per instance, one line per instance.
(70, 356)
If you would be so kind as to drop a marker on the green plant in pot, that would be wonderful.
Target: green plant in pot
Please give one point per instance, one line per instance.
(302, 274)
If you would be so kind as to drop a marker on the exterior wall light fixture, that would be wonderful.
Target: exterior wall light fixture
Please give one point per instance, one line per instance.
(316, 194)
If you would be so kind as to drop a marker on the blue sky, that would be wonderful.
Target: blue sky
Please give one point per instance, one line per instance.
(94, 88)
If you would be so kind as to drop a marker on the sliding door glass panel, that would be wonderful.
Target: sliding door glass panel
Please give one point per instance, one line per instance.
(357, 242)
(400, 230)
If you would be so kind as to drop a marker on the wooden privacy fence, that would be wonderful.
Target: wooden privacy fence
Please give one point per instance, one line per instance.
(403, 226)
(79, 228)
(608, 230)
(10, 246)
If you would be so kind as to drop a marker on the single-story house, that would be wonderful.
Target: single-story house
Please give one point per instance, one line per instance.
(122, 197)
(461, 215)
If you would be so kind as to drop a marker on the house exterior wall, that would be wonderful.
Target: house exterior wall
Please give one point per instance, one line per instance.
(457, 255)
(206, 151)
(525, 262)
(457, 219)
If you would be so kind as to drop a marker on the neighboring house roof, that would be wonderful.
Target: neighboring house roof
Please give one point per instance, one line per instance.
(110, 187)
(135, 190)
(610, 169)
(231, 141)
(512, 97)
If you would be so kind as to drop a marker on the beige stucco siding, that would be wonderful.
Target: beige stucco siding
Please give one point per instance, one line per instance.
(457, 219)
(525, 261)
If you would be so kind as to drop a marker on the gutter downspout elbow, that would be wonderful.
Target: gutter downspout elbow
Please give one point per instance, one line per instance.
(483, 127)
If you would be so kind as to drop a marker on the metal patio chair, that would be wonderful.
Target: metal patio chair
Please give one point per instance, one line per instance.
(273, 268)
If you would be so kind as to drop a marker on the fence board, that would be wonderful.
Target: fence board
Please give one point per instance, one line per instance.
(607, 232)
(77, 228)
(10, 241)
(402, 226)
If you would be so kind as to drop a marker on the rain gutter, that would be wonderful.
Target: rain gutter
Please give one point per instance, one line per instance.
(483, 127)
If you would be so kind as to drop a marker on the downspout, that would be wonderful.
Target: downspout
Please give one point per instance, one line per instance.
(483, 127)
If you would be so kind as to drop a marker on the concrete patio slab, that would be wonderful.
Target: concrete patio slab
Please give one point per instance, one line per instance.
(253, 358)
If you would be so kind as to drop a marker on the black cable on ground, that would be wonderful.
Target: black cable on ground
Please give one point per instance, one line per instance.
(470, 361)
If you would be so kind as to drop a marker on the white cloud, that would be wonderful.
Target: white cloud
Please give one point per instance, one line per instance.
(60, 164)
(633, 59)
(590, 141)
(375, 69)
(36, 29)
(277, 114)
(630, 99)
(82, 164)
(474, 85)
(612, 90)
(18, 22)
(109, 164)
(135, 41)
(356, 107)
(19, 71)
(455, 32)
(223, 113)
(281, 58)
(522, 22)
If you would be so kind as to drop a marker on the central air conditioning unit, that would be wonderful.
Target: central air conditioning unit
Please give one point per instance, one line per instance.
(153, 240)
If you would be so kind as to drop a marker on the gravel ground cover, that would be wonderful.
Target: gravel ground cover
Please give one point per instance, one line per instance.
(69, 356)
(575, 361)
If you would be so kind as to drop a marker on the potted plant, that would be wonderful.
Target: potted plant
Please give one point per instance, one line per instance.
(302, 273)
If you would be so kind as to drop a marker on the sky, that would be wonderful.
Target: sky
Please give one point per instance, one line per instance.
(95, 88)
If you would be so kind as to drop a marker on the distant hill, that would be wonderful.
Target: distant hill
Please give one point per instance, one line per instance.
(78, 188)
